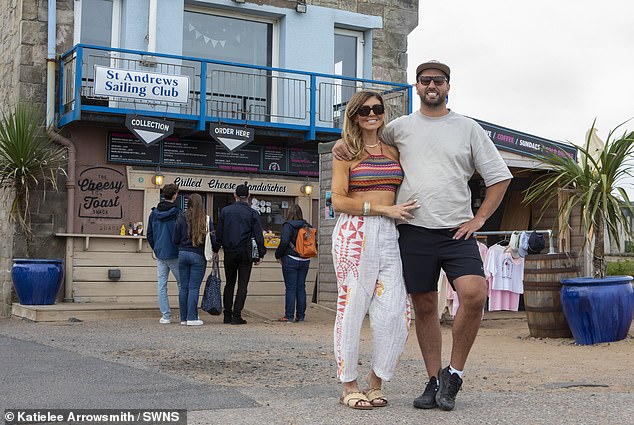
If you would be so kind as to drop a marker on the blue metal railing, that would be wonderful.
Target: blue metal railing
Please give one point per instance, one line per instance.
(219, 91)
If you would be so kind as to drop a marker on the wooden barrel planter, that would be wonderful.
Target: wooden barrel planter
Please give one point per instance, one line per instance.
(542, 286)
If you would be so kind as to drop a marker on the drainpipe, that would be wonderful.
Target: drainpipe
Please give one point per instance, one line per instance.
(58, 138)
(50, 63)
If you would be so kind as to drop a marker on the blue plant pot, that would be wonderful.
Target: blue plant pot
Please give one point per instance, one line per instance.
(37, 281)
(598, 310)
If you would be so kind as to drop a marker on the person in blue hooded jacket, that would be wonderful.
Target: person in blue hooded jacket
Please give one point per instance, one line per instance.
(294, 267)
(159, 233)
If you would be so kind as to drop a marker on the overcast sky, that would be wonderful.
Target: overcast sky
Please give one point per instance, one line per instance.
(543, 67)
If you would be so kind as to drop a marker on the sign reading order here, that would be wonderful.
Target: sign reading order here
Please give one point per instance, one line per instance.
(141, 85)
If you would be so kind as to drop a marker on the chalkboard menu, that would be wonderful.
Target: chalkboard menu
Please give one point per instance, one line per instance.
(124, 147)
(304, 162)
(243, 159)
(179, 153)
(173, 152)
(274, 159)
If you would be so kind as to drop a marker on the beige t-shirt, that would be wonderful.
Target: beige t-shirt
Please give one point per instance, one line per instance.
(439, 156)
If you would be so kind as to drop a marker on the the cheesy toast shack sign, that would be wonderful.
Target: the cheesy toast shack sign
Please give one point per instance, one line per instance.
(141, 85)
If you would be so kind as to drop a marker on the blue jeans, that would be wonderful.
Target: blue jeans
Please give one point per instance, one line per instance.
(192, 270)
(295, 272)
(163, 268)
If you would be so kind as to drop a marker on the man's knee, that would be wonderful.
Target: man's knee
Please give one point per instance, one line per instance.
(425, 303)
(472, 291)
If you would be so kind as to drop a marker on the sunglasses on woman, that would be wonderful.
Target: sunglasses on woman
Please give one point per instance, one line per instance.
(364, 111)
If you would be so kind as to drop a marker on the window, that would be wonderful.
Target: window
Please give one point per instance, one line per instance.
(349, 63)
(96, 22)
(233, 92)
(226, 38)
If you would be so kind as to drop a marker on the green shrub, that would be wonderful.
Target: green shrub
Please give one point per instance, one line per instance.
(621, 268)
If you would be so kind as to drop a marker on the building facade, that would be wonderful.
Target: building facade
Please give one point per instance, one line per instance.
(247, 90)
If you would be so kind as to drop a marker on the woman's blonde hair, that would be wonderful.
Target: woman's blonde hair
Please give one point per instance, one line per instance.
(351, 132)
(196, 220)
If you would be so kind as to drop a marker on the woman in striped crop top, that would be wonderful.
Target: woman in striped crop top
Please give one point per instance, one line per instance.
(366, 252)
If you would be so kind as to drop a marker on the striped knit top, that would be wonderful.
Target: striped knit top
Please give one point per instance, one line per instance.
(376, 172)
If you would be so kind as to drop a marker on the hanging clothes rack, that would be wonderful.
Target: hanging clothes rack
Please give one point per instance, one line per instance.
(551, 247)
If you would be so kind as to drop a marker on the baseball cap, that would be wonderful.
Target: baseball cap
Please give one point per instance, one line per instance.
(433, 64)
(536, 243)
(242, 190)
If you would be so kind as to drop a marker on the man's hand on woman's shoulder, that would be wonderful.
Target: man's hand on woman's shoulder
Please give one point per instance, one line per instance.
(340, 151)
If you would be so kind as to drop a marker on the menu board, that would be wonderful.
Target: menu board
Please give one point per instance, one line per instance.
(243, 159)
(304, 162)
(191, 153)
(274, 158)
(125, 147)
(174, 152)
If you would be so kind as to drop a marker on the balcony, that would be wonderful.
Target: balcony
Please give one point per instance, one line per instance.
(308, 103)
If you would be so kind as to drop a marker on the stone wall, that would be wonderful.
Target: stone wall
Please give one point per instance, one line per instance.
(400, 17)
(23, 38)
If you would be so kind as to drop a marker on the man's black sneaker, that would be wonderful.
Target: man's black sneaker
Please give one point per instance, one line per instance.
(227, 319)
(238, 321)
(427, 400)
(448, 386)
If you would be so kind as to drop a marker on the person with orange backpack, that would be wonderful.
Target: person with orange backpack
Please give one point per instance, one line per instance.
(297, 245)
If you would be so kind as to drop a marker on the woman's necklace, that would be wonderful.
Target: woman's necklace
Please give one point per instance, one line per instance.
(374, 145)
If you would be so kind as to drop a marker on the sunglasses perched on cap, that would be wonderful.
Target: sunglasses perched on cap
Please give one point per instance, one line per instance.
(439, 81)
(364, 111)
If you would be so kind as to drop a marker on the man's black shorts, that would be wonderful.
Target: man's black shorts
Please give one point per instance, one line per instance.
(425, 251)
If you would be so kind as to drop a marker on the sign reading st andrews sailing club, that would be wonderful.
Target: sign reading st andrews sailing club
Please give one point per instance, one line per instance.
(116, 82)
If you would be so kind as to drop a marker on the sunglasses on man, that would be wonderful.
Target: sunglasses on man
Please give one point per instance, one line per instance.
(439, 81)
(364, 111)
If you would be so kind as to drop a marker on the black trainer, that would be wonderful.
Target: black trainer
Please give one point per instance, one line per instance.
(238, 321)
(427, 400)
(448, 386)
(227, 318)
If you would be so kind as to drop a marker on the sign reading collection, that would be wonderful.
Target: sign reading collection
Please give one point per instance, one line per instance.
(125, 148)
(149, 130)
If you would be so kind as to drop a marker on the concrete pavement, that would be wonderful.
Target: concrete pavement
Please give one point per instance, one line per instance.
(268, 372)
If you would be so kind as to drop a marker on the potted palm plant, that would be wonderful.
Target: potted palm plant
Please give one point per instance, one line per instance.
(597, 308)
(29, 160)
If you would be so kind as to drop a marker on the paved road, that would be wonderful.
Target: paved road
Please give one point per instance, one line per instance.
(273, 373)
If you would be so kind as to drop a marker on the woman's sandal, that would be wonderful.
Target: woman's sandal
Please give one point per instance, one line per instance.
(353, 400)
(376, 397)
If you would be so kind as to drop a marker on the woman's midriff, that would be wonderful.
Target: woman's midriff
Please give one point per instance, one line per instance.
(375, 197)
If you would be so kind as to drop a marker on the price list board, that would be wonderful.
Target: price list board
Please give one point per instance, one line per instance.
(304, 162)
(188, 153)
(274, 159)
(126, 148)
(206, 154)
(244, 159)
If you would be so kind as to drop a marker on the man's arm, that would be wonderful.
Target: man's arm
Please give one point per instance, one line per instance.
(149, 232)
(492, 200)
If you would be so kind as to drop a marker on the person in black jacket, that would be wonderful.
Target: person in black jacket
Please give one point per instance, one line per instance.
(294, 267)
(237, 223)
(189, 235)
(160, 229)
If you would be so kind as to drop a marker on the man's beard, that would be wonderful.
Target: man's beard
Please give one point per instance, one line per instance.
(439, 101)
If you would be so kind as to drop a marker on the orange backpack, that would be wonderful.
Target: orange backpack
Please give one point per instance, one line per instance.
(306, 242)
